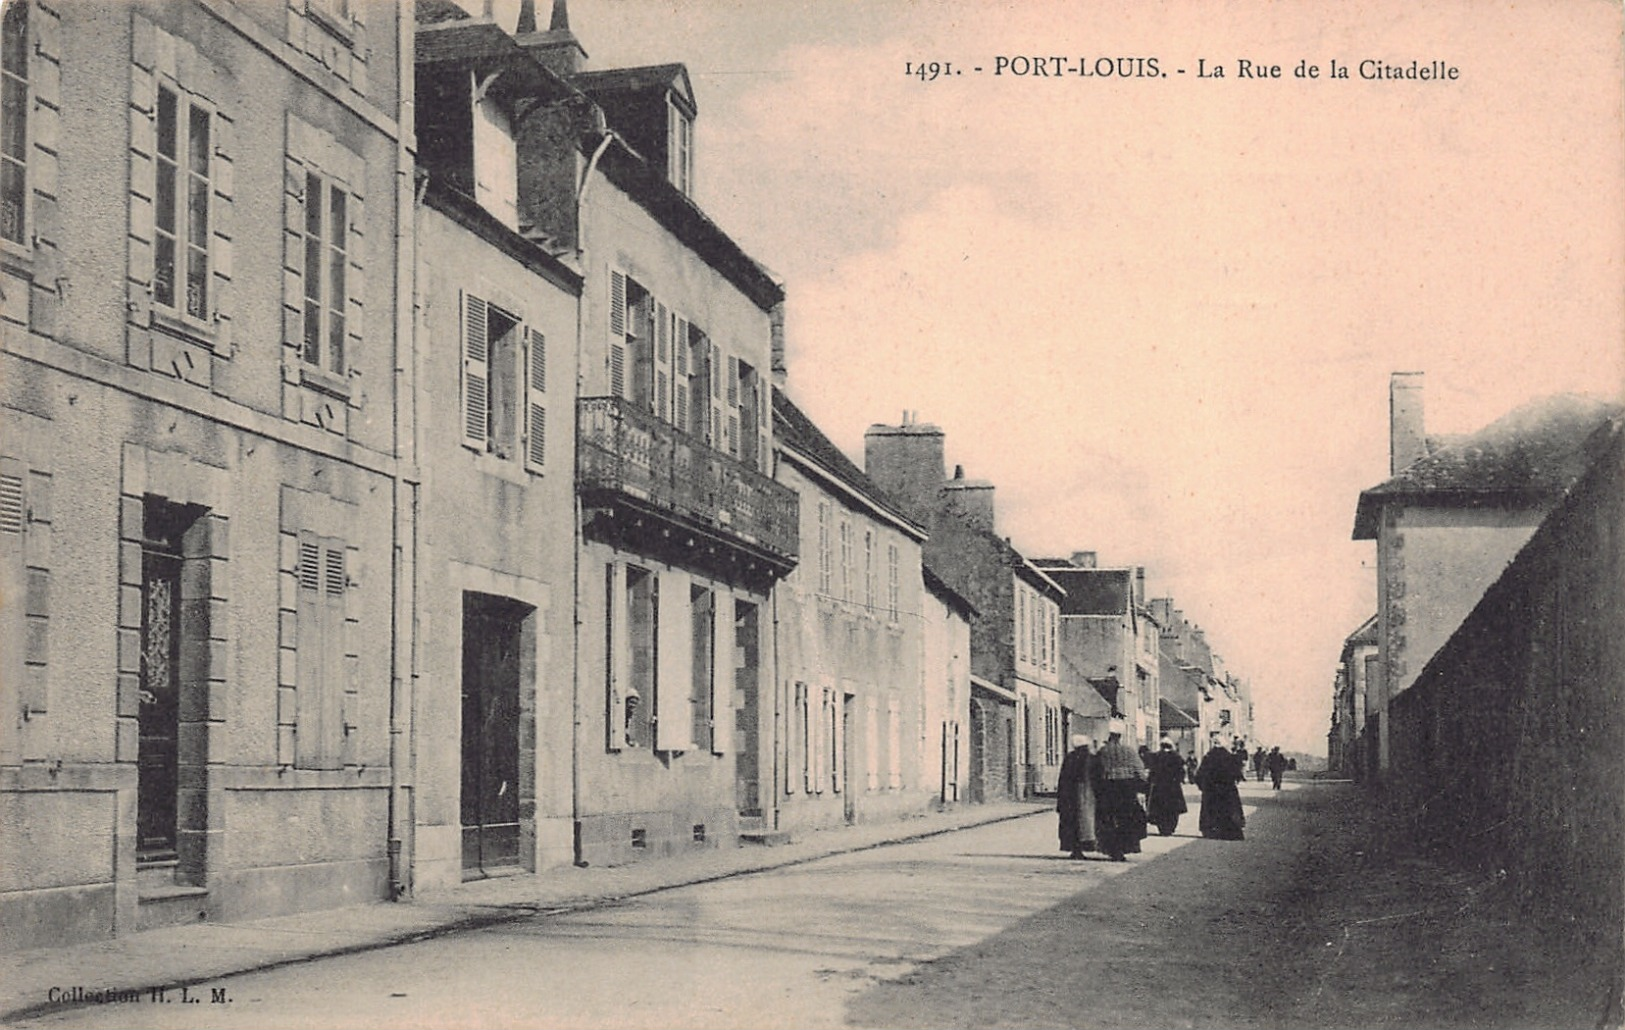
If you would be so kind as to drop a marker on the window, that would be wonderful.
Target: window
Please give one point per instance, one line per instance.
(846, 560)
(869, 569)
(892, 585)
(680, 143)
(319, 682)
(504, 384)
(825, 557)
(14, 103)
(326, 229)
(181, 205)
(643, 615)
(894, 744)
(1021, 622)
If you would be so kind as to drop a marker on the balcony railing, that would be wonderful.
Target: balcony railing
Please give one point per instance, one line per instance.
(627, 451)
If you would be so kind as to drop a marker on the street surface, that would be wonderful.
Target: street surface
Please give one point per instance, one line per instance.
(990, 926)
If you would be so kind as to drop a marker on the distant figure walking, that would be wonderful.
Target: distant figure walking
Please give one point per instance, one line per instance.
(1276, 763)
(1165, 801)
(1118, 777)
(1258, 764)
(1075, 799)
(1221, 816)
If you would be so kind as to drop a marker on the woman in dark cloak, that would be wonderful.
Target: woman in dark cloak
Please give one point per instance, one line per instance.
(1165, 802)
(1221, 817)
(1075, 800)
(1118, 776)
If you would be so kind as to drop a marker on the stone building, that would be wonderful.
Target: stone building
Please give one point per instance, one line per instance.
(1347, 747)
(851, 621)
(1109, 641)
(199, 333)
(1015, 657)
(1451, 516)
(493, 402)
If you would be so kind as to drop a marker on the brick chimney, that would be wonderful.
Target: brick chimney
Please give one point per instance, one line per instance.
(1085, 559)
(972, 498)
(1407, 437)
(557, 48)
(907, 462)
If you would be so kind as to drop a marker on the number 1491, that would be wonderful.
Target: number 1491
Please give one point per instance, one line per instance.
(927, 71)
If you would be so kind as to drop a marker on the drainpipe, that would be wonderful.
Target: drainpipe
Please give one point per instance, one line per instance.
(579, 538)
(403, 524)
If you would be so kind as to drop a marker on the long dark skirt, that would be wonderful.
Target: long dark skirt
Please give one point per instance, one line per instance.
(1165, 804)
(1221, 817)
(1077, 819)
(1119, 819)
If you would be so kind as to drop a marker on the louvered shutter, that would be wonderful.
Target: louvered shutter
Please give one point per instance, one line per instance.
(682, 379)
(764, 425)
(334, 584)
(724, 672)
(535, 400)
(733, 440)
(309, 730)
(663, 344)
(476, 374)
(617, 333)
(13, 587)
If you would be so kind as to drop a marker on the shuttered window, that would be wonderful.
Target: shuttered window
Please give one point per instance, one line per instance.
(535, 401)
(319, 685)
(476, 373)
(182, 204)
(617, 333)
(14, 111)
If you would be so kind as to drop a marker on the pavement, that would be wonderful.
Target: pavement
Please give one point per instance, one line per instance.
(33, 982)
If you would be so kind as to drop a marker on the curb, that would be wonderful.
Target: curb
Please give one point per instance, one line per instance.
(501, 914)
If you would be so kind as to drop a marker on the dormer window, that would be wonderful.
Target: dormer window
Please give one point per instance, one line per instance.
(680, 147)
(496, 163)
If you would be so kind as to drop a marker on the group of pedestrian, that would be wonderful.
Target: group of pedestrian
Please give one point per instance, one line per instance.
(1098, 794)
(1274, 763)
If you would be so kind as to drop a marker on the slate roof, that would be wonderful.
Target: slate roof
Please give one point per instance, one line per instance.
(461, 43)
(1174, 717)
(1092, 591)
(1532, 454)
(937, 585)
(792, 428)
(653, 76)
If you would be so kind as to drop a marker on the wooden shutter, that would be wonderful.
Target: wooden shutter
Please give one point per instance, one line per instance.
(476, 374)
(724, 673)
(13, 588)
(674, 669)
(617, 333)
(535, 400)
(616, 651)
(663, 334)
(838, 728)
(320, 674)
(682, 377)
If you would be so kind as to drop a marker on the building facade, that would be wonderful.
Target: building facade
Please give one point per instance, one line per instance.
(864, 717)
(1015, 639)
(493, 405)
(1109, 640)
(201, 314)
(1451, 516)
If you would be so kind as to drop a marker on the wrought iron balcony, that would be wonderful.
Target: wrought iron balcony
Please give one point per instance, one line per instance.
(628, 458)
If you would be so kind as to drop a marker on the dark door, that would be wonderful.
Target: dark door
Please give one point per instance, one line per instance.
(490, 797)
(158, 751)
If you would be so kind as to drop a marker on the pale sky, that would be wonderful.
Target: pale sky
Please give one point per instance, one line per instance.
(1160, 313)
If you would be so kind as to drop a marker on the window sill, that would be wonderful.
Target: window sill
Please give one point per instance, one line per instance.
(341, 29)
(325, 382)
(183, 327)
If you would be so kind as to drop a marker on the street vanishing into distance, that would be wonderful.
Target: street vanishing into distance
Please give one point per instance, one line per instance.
(1307, 922)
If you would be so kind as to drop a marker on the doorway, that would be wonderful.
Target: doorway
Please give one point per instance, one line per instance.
(493, 631)
(163, 632)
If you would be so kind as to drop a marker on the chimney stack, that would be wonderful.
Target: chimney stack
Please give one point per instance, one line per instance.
(972, 498)
(557, 48)
(1085, 559)
(1407, 436)
(907, 462)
